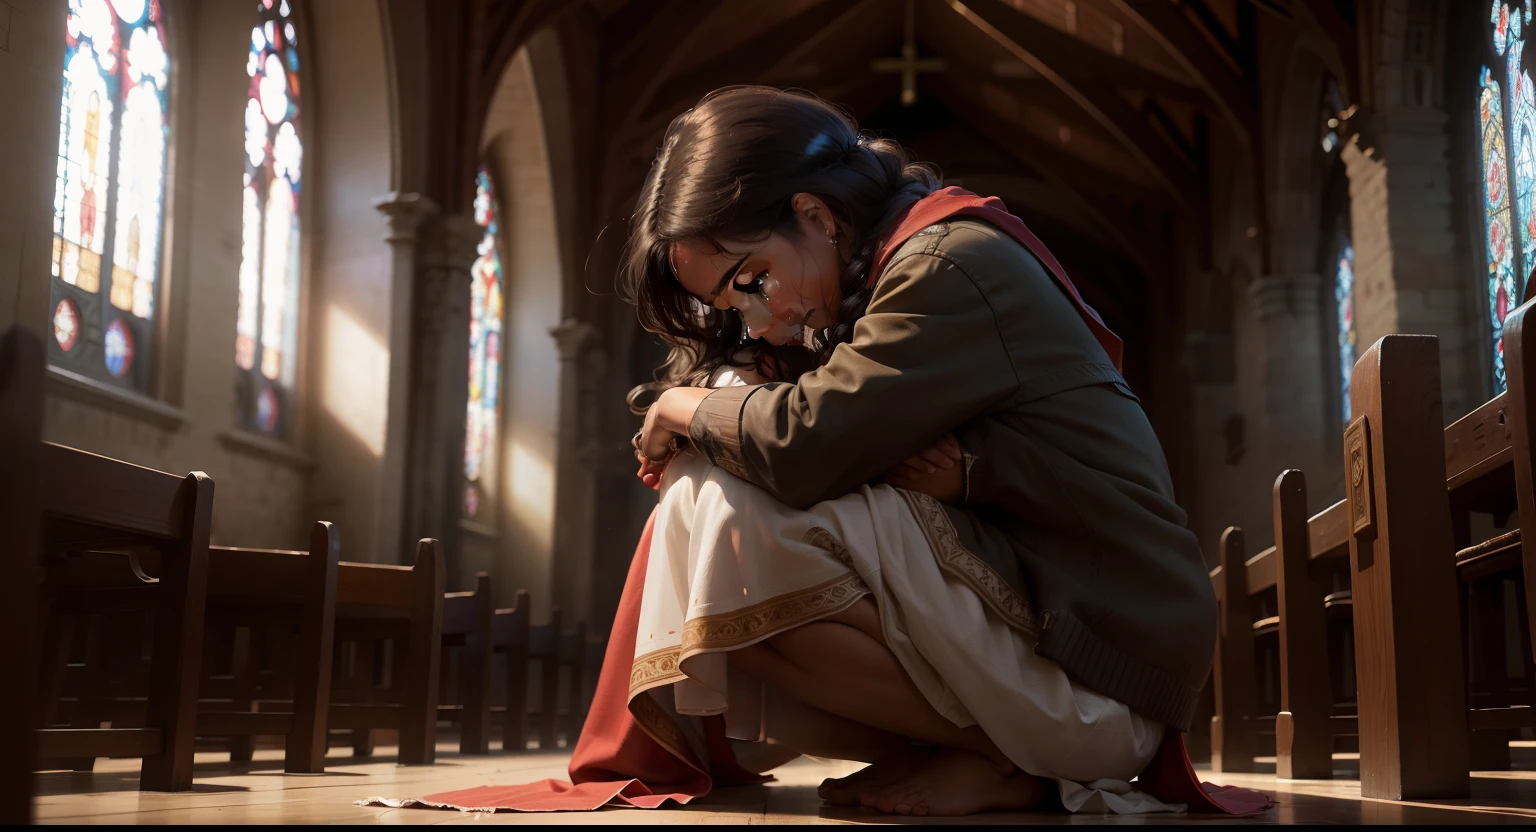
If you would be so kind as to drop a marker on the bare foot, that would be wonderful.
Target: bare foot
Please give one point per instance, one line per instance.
(844, 791)
(954, 782)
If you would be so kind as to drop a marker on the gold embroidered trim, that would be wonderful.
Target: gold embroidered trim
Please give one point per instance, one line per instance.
(654, 669)
(732, 629)
(828, 542)
(659, 724)
(965, 565)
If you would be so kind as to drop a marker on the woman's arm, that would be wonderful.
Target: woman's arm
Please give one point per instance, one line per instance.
(926, 357)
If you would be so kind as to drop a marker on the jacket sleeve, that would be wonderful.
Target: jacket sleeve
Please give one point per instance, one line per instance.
(926, 357)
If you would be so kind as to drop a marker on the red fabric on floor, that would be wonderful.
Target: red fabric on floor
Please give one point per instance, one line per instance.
(617, 760)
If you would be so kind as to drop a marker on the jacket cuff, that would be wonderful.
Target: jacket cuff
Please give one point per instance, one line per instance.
(716, 428)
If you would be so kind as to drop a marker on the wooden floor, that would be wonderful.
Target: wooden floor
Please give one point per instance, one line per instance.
(259, 792)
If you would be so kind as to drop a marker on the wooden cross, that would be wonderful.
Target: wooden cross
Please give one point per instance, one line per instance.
(908, 64)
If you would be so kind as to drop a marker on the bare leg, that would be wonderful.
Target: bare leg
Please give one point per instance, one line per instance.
(841, 666)
(812, 731)
(841, 669)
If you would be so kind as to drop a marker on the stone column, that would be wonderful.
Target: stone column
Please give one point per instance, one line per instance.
(405, 214)
(578, 456)
(439, 390)
(1295, 422)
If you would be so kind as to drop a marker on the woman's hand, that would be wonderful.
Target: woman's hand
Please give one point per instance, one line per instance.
(937, 471)
(667, 418)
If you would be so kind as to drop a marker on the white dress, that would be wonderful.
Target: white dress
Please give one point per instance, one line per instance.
(730, 565)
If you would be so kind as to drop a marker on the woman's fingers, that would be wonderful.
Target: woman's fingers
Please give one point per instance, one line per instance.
(919, 463)
(935, 456)
(951, 446)
(912, 469)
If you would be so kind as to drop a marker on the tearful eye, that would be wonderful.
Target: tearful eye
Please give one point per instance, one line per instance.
(750, 284)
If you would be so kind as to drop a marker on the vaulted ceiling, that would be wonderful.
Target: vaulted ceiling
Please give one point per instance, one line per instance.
(1102, 109)
(1113, 100)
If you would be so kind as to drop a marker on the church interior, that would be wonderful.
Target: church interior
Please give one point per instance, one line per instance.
(251, 250)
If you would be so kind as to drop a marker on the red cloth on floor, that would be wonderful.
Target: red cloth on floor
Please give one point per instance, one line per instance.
(618, 762)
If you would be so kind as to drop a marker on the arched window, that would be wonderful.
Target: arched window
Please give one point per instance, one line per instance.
(109, 196)
(266, 324)
(1339, 252)
(1507, 138)
(1344, 303)
(484, 413)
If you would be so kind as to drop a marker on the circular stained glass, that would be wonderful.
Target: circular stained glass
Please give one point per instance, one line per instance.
(273, 89)
(118, 347)
(131, 11)
(66, 324)
(268, 407)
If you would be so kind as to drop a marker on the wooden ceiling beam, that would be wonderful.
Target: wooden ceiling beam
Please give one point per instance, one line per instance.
(1079, 181)
(1079, 61)
(1014, 32)
(776, 49)
(625, 51)
(1178, 36)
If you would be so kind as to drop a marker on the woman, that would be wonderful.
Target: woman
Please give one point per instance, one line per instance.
(941, 537)
(755, 240)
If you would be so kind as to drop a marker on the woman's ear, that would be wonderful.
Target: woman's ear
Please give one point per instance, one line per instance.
(814, 214)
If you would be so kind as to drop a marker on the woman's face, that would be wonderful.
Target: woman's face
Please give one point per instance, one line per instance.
(781, 285)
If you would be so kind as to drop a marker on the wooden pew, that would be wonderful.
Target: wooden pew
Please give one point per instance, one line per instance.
(467, 620)
(246, 588)
(254, 586)
(93, 503)
(21, 426)
(1412, 681)
(403, 604)
(1396, 525)
(510, 635)
(560, 655)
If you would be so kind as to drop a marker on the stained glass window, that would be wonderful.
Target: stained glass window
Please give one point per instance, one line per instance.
(1507, 134)
(1333, 111)
(484, 412)
(109, 193)
(266, 321)
(1344, 299)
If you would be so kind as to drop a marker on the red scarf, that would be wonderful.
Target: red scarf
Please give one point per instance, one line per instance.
(951, 202)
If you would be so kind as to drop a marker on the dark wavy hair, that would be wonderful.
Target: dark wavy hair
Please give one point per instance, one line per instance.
(729, 169)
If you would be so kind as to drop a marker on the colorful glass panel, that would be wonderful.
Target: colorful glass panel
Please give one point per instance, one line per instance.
(485, 317)
(119, 347)
(109, 194)
(1499, 247)
(1522, 144)
(66, 324)
(266, 319)
(1344, 298)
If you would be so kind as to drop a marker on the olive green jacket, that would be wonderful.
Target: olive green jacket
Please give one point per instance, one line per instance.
(1068, 525)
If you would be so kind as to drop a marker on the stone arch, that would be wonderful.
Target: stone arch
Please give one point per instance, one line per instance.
(545, 359)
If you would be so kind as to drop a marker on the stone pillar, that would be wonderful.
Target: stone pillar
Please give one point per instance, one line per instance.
(578, 457)
(1295, 422)
(405, 214)
(1407, 276)
(439, 390)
